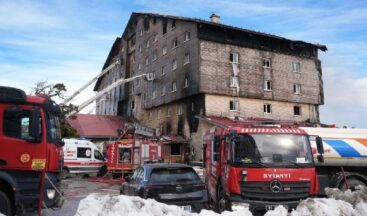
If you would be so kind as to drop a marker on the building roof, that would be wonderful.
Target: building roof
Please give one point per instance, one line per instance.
(97, 126)
(224, 26)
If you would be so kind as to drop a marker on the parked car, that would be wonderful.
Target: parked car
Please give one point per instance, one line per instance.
(175, 184)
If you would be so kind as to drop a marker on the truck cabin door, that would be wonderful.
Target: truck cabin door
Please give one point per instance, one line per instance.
(24, 144)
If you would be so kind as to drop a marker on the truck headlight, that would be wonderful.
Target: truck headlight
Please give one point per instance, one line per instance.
(51, 193)
(237, 206)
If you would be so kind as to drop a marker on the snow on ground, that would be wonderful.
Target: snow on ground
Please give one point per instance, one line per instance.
(339, 203)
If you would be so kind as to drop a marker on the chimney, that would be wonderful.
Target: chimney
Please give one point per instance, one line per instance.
(215, 18)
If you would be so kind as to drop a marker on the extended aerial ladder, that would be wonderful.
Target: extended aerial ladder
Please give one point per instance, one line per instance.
(149, 77)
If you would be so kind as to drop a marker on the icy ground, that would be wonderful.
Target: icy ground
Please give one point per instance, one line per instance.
(339, 203)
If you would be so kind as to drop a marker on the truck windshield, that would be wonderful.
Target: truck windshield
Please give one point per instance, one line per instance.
(285, 149)
(54, 131)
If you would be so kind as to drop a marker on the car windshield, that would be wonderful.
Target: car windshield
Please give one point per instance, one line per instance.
(271, 149)
(173, 176)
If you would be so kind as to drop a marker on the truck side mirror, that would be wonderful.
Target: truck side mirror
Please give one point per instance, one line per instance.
(320, 158)
(320, 145)
(34, 125)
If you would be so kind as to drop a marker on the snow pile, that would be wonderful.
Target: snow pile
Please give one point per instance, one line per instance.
(97, 205)
(340, 203)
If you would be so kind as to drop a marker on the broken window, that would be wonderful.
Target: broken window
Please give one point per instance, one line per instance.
(155, 37)
(233, 105)
(187, 36)
(175, 43)
(233, 57)
(267, 85)
(179, 110)
(173, 24)
(163, 70)
(163, 91)
(267, 108)
(296, 88)
(175, 149)
(267, 63)
(233, 82)
(296, 67)
(186, 82)
(187, 58)
(164, 27)
(174, 64)
(297, 110)
(169, 112)
(164, 50)
(174, 87)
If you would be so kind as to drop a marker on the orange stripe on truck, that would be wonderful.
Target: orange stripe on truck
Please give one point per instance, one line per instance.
(362, 141)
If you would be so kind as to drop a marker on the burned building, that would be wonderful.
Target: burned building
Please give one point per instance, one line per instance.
(198, 69)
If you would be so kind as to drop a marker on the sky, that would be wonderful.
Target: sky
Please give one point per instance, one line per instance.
(68, 41)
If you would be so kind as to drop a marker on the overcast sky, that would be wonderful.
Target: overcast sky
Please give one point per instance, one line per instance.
(68, 41)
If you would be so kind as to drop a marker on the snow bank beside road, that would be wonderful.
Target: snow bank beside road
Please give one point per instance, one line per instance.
(96, 205)
(341, 203)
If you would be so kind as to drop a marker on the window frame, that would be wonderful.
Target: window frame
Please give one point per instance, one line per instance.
(267, 108)
(299, 111)
(298, 68)
(187, 36)
(268, 85)
(234, 57)
(234, 104)
(296, 89)
(174, 43)
(174, 86)
(267, 63)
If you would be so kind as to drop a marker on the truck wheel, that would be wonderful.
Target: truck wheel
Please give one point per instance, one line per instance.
(102, 171)
(223, 203)
(352, 184)
(65, 173)
(5, 206)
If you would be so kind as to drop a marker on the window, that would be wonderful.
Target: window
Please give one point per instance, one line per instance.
(150, 115)
(147, 44)
(186, 82)
(155, 38)
(16, 123)
(159, 114)
(267, 63)
(138, 83)
(174, 64)
(84, 152)
(141, 32)
(169, 112)
(139, 66)
(187, 36)
(155, 55)
(140, 48)
(163, 91)
(233, 57)
(267, 85)
(175, 149)
(164, 50)
(132, 105)
(215, 149)
(187, 58)
(297, 110)
(174, 87)
(163, 70)
(233, 105)
(179, 110)
(153, 95)
(175, 43)
(267, 108)
(146, 61)
(173, 24)
(296, 67)
(98, 155)
(233, 82)
(164, 29)
(296, 88)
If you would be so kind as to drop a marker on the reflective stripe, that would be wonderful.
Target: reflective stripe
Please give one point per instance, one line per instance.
(343, 148)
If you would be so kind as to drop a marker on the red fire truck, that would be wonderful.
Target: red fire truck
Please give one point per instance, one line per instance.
(260, 166)
(131, 151)
(30, 149)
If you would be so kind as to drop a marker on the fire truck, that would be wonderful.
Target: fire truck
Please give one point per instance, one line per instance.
(130, 151)
(259, 165)
(30, 152)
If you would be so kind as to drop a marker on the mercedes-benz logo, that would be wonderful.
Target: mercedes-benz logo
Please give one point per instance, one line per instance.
(275, 186)
(178, 187)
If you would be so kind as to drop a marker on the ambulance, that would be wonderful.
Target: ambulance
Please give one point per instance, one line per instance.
(82, 157)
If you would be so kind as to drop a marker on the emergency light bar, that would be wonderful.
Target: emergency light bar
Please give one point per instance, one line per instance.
(9, 94)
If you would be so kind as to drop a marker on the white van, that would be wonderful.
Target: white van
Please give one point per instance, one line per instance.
(82, 157)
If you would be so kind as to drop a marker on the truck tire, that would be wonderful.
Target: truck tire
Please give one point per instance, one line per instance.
(65, 173)
(5, 205)
(102, 171)
(223, 202)
(352, 184)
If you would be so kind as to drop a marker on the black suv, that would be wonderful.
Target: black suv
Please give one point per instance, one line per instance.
(176, 184)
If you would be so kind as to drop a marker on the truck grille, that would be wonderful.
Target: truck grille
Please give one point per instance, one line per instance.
(291, 191)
